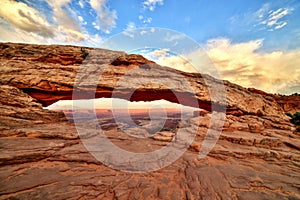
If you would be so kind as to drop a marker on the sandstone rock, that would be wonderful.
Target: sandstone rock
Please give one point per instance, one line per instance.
(239, 126)
(256, 127)
(18, 109)
(42, 156)
(163, 136)
(47, 74)
(289, 103)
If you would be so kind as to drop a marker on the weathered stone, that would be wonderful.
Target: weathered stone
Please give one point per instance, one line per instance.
(42, 156)
(48, 74)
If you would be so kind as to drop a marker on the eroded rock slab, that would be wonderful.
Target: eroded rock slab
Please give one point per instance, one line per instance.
(50, 73)
(47, 160)
(257, 155)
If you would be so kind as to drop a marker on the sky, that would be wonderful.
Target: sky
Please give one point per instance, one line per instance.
(252, 43)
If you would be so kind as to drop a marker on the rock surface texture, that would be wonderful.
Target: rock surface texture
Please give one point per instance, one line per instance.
(257, 155)
(49, 74)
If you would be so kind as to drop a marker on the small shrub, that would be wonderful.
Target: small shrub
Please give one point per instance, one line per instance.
(84, 53)
(289, 114)
(295, 118)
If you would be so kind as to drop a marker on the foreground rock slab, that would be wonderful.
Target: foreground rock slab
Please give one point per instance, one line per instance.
(47, 160)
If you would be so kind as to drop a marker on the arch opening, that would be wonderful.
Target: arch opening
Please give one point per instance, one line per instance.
(114, 112)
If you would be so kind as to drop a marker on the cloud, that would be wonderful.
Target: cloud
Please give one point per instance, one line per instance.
(143, 32)
(81, 20)
(106, 17)
(174, 37)
(165, 58)
(67, 24)
(25, 18)
(25, 22)
(241, 63)
(81, 4)
(129, 31)
(151, 4)
(12, 34)
(281, 25)
(145, 20)
(272, 19)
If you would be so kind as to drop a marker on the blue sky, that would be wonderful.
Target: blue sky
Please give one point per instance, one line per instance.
(265, 34)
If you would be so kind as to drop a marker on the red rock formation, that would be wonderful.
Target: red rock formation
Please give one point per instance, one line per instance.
(289, 103)
(35, 73)
(42, 157)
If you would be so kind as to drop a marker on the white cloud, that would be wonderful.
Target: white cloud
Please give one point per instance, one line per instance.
(174, 37)
(279, 26)
(81, 20)
(272, 19)
(106, 17)
(151, 4)
(278, 14)
(96, 26)
(147, 20)
(81, 4)
(129, 31)
(263, 11)
(130, 26)
(143, 32)
(165, 58)
(93, 40)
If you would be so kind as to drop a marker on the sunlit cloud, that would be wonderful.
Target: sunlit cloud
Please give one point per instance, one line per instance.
(67, 25)
(24, 22)
(26, 18)
(240, 63)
